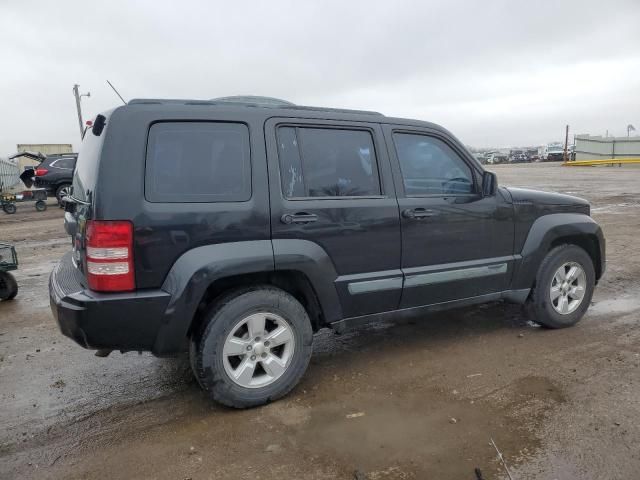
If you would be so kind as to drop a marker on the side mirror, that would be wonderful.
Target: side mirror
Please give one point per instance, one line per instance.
(489, 184)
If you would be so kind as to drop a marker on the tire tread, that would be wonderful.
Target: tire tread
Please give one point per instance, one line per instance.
(539, 309)
(211, 380)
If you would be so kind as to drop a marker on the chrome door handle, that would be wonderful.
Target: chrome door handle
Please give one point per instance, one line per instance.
(418, 213)
(289, 218)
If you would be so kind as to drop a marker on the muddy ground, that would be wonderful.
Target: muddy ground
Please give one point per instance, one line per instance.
(427, 395)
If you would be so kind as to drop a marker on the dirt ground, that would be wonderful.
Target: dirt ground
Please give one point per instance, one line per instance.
(418, 400)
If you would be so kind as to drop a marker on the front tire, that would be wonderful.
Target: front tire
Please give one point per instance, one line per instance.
(252, 348)
(564, 287)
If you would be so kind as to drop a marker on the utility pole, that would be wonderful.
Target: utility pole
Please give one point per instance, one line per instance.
(566, 144)
(79, 108)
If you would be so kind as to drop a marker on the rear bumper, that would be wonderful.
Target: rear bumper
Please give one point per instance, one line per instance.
(117, 321)
(49, 187)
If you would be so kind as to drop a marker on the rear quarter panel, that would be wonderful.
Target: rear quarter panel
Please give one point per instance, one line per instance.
(164, 231)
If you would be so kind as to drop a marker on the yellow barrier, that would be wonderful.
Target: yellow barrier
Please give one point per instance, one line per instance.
(608, 161)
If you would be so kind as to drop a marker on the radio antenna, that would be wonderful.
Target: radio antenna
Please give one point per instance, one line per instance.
(114, 89)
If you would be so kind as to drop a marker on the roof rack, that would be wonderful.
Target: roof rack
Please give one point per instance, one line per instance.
(248, 101)
(255, 100)
(174, 101)
(336, 110)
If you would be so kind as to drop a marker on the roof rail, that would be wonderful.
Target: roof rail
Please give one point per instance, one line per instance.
(255, 100)
(175, 101)
(335, 110)
(249, 101)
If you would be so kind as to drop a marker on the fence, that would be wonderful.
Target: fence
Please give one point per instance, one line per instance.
(9, 175)
(596, 147)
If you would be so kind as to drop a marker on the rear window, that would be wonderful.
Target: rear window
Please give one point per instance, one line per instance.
(198, 162)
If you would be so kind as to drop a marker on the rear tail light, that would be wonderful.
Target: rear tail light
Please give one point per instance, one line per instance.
(41, 171)
(110, 256)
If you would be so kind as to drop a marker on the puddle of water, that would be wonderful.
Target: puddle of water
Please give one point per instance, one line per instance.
(616, 306)
(614, 207)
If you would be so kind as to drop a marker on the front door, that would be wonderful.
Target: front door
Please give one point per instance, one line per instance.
(456, 243)
(331, 187)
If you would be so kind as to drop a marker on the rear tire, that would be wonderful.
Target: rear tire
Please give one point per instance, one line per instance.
(564, 287)
(8, 286)
(253, 347)
(41, 205)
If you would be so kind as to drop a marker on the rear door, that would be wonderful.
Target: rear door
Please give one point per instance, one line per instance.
(456, 243)
(331, 184)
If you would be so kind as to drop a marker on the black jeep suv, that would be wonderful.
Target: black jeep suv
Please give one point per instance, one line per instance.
(242, 227)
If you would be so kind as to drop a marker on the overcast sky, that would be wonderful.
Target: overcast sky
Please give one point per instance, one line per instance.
(496, 73)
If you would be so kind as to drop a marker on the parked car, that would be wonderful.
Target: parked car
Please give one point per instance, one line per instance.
(532, 155)
(55, 174)
(241, 228)
(480, 157)
(555, 157)
(497, 158)
(552, 152)
(519, 158)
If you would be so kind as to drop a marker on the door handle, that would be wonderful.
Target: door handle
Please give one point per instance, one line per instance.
(302, 217)
(418, 213)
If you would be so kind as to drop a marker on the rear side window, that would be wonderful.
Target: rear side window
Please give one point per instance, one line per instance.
(85, 175)
(67, 163)
(198, 162)
(324, 162)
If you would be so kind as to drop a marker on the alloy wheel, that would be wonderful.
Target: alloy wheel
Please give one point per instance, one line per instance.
(568, 288)
(258, 350)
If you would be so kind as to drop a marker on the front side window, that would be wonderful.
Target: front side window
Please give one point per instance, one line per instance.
(198, 162)
(430, 167)
(327, 162)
